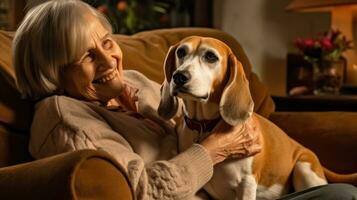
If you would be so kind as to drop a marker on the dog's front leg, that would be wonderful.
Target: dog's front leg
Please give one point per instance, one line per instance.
(247, 188)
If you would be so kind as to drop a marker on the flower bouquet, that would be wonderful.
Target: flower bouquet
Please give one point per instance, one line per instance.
(328, 47)
(325, 55)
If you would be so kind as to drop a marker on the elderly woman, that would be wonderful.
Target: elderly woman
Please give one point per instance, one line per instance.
(67, 61)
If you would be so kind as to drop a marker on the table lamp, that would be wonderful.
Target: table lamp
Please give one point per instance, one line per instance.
(342, 12)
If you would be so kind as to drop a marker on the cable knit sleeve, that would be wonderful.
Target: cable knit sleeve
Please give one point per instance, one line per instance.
(178, 177)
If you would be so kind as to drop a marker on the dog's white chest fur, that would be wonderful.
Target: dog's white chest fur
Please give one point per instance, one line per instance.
(229, 177)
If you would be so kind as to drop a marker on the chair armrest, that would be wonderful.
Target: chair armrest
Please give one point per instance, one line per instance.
(331, 135)
(85, 174)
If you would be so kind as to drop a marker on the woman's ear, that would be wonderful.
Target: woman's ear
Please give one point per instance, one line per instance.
(236, 103)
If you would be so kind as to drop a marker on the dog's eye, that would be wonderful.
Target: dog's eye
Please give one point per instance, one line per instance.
(210, 57)
(181, 52)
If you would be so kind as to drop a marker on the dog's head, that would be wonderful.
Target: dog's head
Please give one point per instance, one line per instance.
(205, 69)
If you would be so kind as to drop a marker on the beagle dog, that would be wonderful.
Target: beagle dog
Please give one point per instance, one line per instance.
(204, 79)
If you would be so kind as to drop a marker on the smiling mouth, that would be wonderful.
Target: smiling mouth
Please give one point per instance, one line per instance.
(108, 77)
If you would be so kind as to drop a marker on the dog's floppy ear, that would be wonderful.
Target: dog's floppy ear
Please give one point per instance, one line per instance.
(170, 63)
(169, 105)
(236, 103)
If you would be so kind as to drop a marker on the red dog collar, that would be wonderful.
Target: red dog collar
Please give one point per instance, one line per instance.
(201, 126)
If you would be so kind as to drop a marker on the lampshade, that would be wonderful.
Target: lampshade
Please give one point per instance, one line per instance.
(316, 5)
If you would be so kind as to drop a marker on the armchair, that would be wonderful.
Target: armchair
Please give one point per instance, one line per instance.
(94, 174)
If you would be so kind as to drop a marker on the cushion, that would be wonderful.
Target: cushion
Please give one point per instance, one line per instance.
(15, 111)
(331, 135)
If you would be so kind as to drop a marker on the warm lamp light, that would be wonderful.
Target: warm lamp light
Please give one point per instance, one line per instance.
(341, 18)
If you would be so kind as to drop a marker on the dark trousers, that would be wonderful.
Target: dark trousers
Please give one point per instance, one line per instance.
(338, 191)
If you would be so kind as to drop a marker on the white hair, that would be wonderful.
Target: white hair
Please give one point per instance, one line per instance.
(51, 36)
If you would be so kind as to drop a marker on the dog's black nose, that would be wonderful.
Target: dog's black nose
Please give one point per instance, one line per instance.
(181, 77)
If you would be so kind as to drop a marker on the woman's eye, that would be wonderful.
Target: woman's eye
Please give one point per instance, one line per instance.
(107, 44)
(181, 52)
(89, 57)
(210, 57)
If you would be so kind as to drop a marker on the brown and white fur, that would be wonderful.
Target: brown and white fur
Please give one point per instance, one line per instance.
(210, 81)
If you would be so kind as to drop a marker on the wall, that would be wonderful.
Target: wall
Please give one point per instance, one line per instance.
(266, 32)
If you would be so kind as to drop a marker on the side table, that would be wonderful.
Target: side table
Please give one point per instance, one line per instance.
(316, 103)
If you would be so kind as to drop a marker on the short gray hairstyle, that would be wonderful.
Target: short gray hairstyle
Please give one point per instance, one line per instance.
(51, 36)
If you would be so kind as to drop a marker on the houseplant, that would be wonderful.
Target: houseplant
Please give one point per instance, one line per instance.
(325, 53)
(131, 16)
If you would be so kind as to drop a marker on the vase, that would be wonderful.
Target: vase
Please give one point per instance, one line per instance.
(328, 76)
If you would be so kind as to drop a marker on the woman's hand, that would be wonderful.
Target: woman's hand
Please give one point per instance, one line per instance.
(233, 142)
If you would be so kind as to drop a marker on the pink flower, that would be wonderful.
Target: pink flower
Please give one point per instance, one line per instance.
(299, 43)
(326, 44)
(309, 43)
(122, 6)
(102, 9)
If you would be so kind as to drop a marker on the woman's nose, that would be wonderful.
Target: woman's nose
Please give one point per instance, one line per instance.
(106, 61)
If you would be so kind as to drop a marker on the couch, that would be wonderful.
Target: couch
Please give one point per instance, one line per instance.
(93, 174)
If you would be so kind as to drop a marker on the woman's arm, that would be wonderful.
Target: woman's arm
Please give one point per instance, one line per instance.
(178, 178)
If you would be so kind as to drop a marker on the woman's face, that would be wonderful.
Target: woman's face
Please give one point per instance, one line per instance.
(98, 74)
